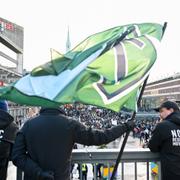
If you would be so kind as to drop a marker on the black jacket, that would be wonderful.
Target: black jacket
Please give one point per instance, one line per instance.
(46, 142)
(166, 140)
(8, 130)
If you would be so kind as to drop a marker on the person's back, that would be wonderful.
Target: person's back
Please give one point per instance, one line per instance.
(49, 142)
(49, 138)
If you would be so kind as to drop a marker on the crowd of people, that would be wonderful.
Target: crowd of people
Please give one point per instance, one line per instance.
(144, 128)
(95, 117)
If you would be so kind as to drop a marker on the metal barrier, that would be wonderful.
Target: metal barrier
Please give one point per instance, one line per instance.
(108, 157)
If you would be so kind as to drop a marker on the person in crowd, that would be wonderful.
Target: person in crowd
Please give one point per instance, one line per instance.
(166, 140)
(146, 135)
(98, 169)
(44, 144)
(8, 130)
(73, 165)
(84, 168)
(141, 136)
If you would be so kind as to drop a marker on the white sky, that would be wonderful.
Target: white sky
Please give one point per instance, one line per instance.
(45, 25)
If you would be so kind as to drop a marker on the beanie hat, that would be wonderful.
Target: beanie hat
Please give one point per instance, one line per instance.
(3, 105)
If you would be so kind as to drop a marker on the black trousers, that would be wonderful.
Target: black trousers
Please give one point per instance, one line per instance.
(170, 171)
(170, 176)
(84, 175)
(3, 168)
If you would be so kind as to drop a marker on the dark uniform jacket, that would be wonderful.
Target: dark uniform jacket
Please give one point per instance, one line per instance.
(166, 140)
(8, 130)
(46, 142)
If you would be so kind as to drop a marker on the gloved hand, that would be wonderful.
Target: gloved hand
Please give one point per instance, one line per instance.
(130, 124)
(46, 175)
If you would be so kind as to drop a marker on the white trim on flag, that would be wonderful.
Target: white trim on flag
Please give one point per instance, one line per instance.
(120, 95)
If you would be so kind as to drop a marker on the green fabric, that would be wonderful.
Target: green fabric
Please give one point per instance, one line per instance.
(103, 82)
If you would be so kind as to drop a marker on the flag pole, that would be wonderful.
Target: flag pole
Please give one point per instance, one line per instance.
(127, 134)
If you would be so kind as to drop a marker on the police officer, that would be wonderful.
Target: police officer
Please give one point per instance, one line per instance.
(84, 171)
(8, 130)
(166, 140)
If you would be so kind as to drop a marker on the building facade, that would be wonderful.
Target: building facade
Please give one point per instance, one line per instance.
(11, 43)
(157, 92)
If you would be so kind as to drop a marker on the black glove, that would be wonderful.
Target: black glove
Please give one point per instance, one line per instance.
(45, 175)
(130, 124)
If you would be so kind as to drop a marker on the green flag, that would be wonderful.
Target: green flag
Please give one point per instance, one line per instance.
(107, 69)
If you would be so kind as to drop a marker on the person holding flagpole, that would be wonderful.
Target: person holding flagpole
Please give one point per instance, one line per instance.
(44, 144)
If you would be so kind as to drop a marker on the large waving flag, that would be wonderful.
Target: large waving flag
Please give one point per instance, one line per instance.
(107, 69)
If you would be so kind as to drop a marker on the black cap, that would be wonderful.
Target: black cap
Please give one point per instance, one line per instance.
(167, 105)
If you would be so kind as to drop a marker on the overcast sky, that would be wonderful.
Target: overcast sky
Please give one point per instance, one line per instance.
(45, 25)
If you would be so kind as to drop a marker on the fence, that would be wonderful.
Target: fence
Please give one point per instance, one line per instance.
(135, 157)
